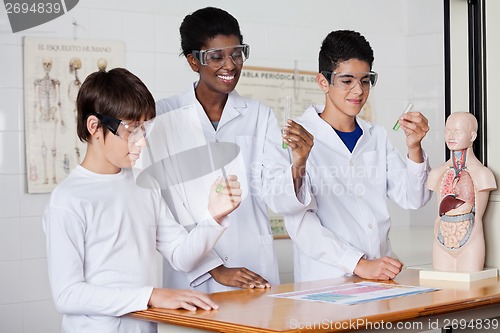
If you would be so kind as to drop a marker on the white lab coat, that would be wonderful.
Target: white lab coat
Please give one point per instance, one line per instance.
(263, 168)
(348, 217)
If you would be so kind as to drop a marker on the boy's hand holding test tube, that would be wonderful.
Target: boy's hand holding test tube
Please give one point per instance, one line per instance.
(415, 126)
(225, 196)
(397, 124)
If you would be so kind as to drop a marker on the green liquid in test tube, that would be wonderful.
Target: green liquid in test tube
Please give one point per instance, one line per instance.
(397, 124)
(220, 187)
(286, 116)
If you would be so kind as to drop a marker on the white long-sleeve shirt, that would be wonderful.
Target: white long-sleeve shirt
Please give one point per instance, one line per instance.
(103, 232)
(348, 217)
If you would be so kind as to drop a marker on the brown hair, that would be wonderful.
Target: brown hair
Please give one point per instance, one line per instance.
(118, 94)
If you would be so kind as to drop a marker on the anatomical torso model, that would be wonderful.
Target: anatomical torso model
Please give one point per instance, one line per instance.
(462, 184)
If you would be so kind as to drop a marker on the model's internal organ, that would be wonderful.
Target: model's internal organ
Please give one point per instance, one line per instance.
(456, 209)
(449, 202)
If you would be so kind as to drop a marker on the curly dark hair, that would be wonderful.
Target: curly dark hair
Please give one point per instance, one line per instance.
(204, 24)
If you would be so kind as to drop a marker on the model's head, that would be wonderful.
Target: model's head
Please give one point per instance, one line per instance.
(205, 24)
(117, 95)
(460, 130)
(344, 45)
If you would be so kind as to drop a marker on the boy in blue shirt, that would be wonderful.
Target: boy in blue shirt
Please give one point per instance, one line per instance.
(353, 169)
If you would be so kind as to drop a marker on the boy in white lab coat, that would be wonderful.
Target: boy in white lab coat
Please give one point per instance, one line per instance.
(353, 169)
(211, 112)
(103, 230)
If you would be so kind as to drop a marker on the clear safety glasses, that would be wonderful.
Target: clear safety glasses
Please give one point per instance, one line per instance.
(216, 58)
(131, 132)
(347, 81)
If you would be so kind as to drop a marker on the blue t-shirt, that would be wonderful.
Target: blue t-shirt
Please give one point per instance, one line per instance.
(350, 138)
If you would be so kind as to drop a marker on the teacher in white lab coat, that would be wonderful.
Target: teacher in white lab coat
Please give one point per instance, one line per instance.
(229, 134)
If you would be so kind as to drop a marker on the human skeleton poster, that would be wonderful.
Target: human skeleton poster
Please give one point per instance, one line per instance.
(54, 70)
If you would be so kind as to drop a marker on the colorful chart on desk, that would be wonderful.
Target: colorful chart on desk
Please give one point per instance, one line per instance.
(355, 293)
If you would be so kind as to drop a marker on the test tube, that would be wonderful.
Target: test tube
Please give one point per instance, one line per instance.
(219, 187)
(286, 115)
(396, 126)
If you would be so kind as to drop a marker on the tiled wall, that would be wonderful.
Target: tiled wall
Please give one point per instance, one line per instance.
(408, 57)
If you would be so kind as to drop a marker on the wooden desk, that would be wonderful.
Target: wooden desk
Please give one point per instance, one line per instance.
(254, 311)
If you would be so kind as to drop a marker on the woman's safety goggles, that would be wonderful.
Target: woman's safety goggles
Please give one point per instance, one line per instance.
(216, 58)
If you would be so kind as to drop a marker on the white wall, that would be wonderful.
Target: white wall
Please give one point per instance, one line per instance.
(408, 55)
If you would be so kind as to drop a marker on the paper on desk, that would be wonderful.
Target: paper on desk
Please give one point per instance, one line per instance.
(355, 293)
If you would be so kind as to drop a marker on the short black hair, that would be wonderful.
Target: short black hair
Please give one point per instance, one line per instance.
(204, 24)
(343, 45)
(118, 94)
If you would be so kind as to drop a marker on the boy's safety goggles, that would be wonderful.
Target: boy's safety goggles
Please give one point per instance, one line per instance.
(131, 132)
(347, 81)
